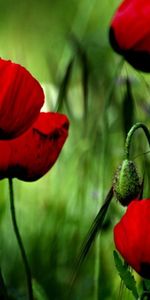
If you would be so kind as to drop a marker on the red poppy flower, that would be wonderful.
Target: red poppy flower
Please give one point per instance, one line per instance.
(31, 155)
(132, 236)
(130, 33)
(21, 98)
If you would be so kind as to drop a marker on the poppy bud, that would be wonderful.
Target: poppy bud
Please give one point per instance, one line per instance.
(126, 183)
(129, 33)
(132, 238)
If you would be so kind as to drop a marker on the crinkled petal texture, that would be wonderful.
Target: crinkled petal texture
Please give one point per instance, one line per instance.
(132, 236)
(21, 98)
(31, 155)
(130, 33)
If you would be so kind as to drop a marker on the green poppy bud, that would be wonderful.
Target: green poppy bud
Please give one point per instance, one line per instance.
(126, 183)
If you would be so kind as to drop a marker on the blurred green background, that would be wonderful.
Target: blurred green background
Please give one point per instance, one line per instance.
(65, 46)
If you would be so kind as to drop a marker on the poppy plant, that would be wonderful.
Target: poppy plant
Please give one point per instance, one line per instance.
(129, 33)
(21, 98)
(126, 187)
(132, 238)
(32, 154)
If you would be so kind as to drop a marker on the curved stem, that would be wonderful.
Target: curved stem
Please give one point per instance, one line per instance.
(130, 134)
(19, 240)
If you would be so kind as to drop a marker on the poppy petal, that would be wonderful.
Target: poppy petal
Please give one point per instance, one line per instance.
(129, 33)
(31, 155)
(131, 236)
(21, 98)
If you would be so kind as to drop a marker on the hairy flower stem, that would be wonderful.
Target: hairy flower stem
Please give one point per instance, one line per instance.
(19, 240)
(130, 134)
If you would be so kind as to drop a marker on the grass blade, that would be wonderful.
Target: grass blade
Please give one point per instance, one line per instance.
(3, 289)
(94, 230)
(64, 85)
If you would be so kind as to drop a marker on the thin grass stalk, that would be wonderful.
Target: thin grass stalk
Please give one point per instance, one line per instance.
(78, 25)
(105, 139)
(81, 54)
(3, 289)
(85, 87)
(19, 240)
(63, 90)
(121, 289)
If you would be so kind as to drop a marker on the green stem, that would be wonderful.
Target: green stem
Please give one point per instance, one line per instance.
(130, 134)
(19, 240)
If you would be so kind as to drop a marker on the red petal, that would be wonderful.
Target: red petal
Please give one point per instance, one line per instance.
(21, 98)
(130, 32)
(131, 236)
(32, 154)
